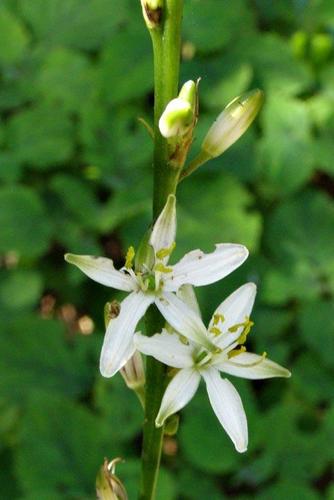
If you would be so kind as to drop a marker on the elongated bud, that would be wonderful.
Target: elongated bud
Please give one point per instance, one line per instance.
(232, 123)
(179, 114)
(152, 12)
(108, 486)
(133, 372)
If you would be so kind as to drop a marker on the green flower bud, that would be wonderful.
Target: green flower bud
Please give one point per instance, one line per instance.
(232, 123)
(179, 114)
(321, 47)
(152, 12)
(108, 486)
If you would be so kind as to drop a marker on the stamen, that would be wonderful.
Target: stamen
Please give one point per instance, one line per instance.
(165, 252)
(130, 255)
(249, 365)
(236, 352)
(162, 269)
(215, 330)
(217, 318)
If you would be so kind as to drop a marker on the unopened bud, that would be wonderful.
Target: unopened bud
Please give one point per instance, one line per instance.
(108, 486)
(179, 114)
(232, 123)
(152, 12)
(133, 372)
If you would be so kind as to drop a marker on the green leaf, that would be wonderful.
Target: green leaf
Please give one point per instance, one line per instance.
(289, 489)
(317, 328)
(21, 216)
(41, 137)
(117, 404)
(225, 204)
(20, 289)
(300, 236)
(62, 448)
(82, 24)
(283, 166)
(211, 24)
(77, 199)
(13, 38)
(66, 78)
(34, 354)
(124, 74)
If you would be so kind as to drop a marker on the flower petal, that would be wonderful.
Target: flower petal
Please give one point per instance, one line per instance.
(167, 348)
(198, 269)
(227, 405)
(253, 366)
(164, 229)
(187, 294)
(178, 393)
(183, 319)
(235, 309)
(101, 270)
(118, 345)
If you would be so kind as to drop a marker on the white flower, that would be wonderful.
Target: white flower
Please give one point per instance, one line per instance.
(154, 283)
(228, 329)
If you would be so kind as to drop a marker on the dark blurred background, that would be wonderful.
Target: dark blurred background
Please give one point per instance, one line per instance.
(75, 171)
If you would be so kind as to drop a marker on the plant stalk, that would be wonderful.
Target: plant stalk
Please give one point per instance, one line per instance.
(166, 41)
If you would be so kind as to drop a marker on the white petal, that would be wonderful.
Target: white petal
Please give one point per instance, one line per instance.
(167, 348)
(183, 319)
(198, 269)
(227, 405)
(101, 270)
(253, 366)
(187, 294)
(164, 229)
(235, 309)
(178, 393)
(118, 345)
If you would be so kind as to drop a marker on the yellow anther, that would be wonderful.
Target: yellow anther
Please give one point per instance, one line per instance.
(247, 328)
(162, 269)
(130, 255)
(165, 252)
(236, 352)
(217, 318)
(215, 330)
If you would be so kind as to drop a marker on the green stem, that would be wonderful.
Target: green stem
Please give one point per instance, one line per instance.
(166, 42)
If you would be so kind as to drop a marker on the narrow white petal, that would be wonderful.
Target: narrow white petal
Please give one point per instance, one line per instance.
(253, 366)
(101, 270)
(167, 348)
(164, 229)
(118, 345)
(183, 319)
(227, 405)
(178, 393)
(235, 309)
(198, 269)
(187, 294)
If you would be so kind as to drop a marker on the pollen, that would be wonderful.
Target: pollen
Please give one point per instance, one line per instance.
(130, 255)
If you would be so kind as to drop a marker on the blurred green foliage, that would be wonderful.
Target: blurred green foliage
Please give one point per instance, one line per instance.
(75, 170)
